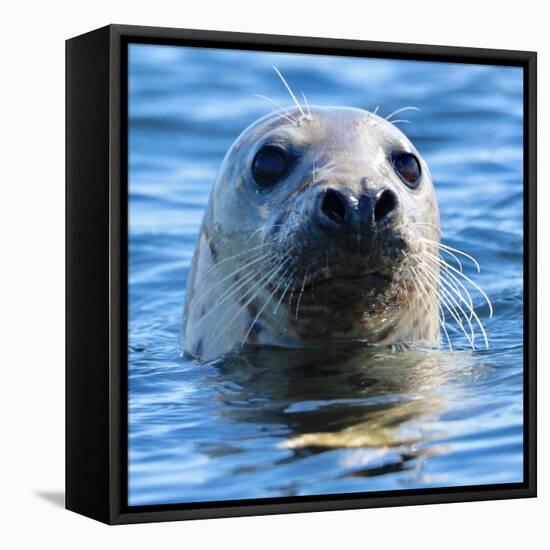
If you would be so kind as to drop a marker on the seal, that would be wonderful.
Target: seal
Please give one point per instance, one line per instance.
(319, 229)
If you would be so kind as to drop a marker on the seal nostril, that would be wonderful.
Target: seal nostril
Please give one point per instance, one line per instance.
(334, 206)
(386, 202)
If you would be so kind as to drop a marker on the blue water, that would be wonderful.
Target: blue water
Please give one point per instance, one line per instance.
(270, 424)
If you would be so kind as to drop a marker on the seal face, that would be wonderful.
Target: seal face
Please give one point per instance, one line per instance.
(315, 232)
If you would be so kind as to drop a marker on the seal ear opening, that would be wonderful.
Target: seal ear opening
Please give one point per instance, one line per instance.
(387, 201)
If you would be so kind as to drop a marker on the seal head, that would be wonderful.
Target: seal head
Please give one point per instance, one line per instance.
(315, 232)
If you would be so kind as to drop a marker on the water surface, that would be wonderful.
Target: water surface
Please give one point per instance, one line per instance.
(272, 423)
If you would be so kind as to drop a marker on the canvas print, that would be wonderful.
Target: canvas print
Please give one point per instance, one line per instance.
(325, 275)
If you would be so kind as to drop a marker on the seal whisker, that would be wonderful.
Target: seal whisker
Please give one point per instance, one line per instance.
(469, 305)
(197, 300)
(478, 321)
(259, 230)
(441, 313)
(454, 256)
(455, 279)
(423, 278)
(290, 91)
(285, 116)
(460, 296)
(275, 225)
(441, 251)
(398, 120)
(261, 310)
(472, 310)
(232, 290)
(217, 264)
(461, 252)
(284, 111)
(453, 283)
(307, 106)
(444, 297)
(396, 112)
(447, 248)
(475, 285)
(410, 304)
(256, 289)
(376, 109)
(445, 303)
(443, 293)
(289, 279)
(421, 291)
(291, 296)
(460, 313)
(301, 292)
(428, 224)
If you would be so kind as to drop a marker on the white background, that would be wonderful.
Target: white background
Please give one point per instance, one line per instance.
(32, 272)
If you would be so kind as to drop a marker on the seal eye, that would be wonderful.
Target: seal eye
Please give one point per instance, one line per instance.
(408, 167)
(269, 166)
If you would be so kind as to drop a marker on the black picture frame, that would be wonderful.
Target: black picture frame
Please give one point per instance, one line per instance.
(96, 273)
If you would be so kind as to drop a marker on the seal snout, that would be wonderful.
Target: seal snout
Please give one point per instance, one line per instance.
(337, 208)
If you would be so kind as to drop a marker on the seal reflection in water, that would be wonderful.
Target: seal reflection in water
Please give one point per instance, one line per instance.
(383, 404)
(322, 227)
